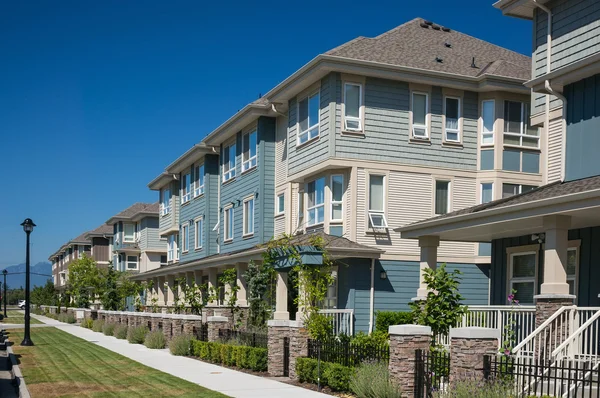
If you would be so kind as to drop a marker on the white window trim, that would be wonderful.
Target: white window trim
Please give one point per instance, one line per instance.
(127, 262)
(316, 206)
(165, 209)
(198, 243)
(198, 188)
(488, 133)
(278, 211)
(229, 174)
(412, 119)
(125, 240)
(575, 278)
(458, 131)
(361, 107)
(511, 280)
(481, 191)
(251, 162)
(301, 216)
(372, 213)
(185, 238)
(226, 224)
(172, 248)
(332, 202)
(186, 194)
(245, 232)
(449, 198)
(522, 133)
(310, 127)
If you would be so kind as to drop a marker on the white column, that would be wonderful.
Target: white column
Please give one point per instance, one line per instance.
(555, 255)
(429, 246)
(169, 296)
(242, 299)
(212, 282)
(281, 297)
(162, 297)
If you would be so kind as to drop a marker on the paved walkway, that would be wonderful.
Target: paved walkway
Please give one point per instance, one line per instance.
(227, 381)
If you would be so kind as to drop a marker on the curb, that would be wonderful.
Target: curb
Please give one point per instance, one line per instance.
(23, 391)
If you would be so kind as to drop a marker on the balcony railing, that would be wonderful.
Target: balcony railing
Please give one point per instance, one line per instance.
(343, 320)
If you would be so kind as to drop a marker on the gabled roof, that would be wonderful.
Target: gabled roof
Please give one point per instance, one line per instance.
(135, 210)
(102, 230)
(419, 44)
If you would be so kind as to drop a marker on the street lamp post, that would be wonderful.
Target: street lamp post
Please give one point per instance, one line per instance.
(28, 228)
(4, 272)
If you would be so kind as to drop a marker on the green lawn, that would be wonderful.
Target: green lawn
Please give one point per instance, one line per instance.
(16, 316)
(62, 365)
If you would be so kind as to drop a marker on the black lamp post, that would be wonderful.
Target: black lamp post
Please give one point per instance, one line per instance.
(28, 228)
(4, 272)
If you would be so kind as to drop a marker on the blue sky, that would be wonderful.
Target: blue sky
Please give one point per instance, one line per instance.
(96, 98)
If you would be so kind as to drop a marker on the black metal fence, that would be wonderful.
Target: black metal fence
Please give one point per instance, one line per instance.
(432, 372)
(244, 338)
(526, 377)
(201, 333)
(346, 353)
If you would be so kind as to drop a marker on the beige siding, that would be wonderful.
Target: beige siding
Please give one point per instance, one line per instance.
(279, 225)
(464, 193)
(294, 212)
(555, 138)
(280, 151)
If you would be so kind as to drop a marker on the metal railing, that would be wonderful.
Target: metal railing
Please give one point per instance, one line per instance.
(343, 320)
(347, 353)
(249, 339)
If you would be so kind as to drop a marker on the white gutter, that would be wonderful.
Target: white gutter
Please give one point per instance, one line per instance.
(372, 297)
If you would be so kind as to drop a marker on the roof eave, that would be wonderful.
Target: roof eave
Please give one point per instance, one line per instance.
(237, 122)
(515, 8)
(568, 74)
(188, 158)
(160, 181)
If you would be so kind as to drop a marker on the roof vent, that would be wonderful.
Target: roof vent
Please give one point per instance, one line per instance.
(445, 29)
(473, 65)
(424, 25)
(435, 27)
(448, 45)
(426, 22)
(439, 60)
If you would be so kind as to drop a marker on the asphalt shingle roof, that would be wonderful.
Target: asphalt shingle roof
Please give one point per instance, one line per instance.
(137, 208)
(104, 229)
(415, 46)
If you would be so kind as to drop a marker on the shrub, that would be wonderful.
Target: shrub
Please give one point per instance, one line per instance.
(120, 332)
(334, 375)
(66, 318)
(87, 323)
(98, 325)
(137, 334)
(180, 345)
(244, 357)
(476, 389)
(108, 328)
(385, 319)
(155, 340)
(374, 340)
(372, 380)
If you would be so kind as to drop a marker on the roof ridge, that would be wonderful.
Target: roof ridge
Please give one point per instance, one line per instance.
(346, 44)
(398, 27)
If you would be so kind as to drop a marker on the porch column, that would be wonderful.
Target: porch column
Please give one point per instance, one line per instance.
(302, 298)
(555, 255)
(149, 292)
(198, 277)
(281, 297)
(189, 278)
(242, 299)
(429, 246)
(169, 296)
(212, 283)
(162, 297)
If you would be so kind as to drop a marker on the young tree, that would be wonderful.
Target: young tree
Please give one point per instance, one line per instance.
(44, 295)
(259, 279)
(85, 281)
(229, 280)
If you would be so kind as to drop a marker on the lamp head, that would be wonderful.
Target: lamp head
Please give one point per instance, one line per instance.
(4, 272)
(28, 225)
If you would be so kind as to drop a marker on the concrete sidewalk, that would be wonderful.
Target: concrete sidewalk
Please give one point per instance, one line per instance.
(224, 380)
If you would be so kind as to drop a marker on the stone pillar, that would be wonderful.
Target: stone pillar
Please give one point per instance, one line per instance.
(404, 341)
(156, 321)
(242, 299)
(298, 345)
(190, 322)
(468, 346)
(166, 325)
(214, 324)
(429, 246)
(277, 330)
(176, 325)
(281, 297)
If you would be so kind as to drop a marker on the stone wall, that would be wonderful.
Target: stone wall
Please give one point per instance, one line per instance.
(404, 341)
(468, 346)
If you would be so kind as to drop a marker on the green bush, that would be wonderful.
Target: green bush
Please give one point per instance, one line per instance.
(372, 380)
(385, 319)
(98, 325)
(155, 340)
(137, 334)
(180, 345)
(477, 389)
(244, 357)
(120, 332)
(87, 323)
(334, 375)
(66, 318)
(108, 328)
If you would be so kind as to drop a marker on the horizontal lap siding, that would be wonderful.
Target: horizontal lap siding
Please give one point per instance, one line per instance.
(555, 139)
(151, 239)
(279, 225)
(281, 152)
(190, 211)
(264, 225)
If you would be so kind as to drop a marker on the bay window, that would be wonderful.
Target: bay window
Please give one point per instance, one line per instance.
(509, 190)
(488, 118)
(337, 197)
(248, 217)
(165, 201)
(487, 192)
(198, 180)
(280, 204)
(172, 251)
(352, 107)
(452, 114)
(186, 188)
(517, 128)
(300, 210)
(377, 217)
(229, 162)
(419, 115)
(316, 201)
(308, 118)
(249, 149)
(132, 262)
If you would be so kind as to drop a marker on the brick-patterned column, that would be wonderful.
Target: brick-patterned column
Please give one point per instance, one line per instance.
(298, 344)
(468, 346)
(404, 341)
(156, 321)
(191, 321)
(176, 325)
(214, 324)
(166, 325)
(547, 304)
(277, 330)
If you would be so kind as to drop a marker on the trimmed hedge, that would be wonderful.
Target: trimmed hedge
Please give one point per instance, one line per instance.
(385, 319)
(244, 357)
(334, 375)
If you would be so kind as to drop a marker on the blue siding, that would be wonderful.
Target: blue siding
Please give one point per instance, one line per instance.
(149, 238)
(531, 162)
(266, 129)
(196, 207)
(511, 160)
(487, 159)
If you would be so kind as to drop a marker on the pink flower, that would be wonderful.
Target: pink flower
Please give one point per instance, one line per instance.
(507, 352)
(511, 297)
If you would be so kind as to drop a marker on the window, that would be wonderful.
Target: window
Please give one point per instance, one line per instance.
(442, 197)
(316, 202)
(487, 192)
(452, 113)
(308, 118)
(80, 251)
(522, 276)
(186, 191)
(165, 201)
(330, 301)
(509, 190)
(517, 130)
(488, 117)
(185, 238)
(572, 267)
(132, 262)
(199, 233)
(228, 162)
(172, 253)
(377, 202)
(249, 151)
(280, 203)
(129, 233)
(198, 180)
(300, 209)
(419, 115)
(228, 233)
(337, 195)
(352, 107)
(248, 217)
(163, 260)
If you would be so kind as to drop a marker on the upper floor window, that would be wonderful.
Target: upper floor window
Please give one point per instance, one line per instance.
(517, 130)
(337, 195)
(248, 217)
(185, 238)
(128, 232)
(199, 233)
(316, 201)
(488, 118)
(198, 180)
(280, 203)
(352, 107)
(172, 252)
(300, 209)
(442, 197)
(186, 187)
(420, 108)
(165, 201)
(228, 162)
(228, 221)
(509, 190)
(452, 114)
(308, 118)
(377, 217)
(249, 148)
(487, 192)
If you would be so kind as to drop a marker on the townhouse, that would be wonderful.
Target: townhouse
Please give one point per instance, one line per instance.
(375, 134)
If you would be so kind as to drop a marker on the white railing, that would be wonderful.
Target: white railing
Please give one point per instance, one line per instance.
(583, 344)
(343, 320)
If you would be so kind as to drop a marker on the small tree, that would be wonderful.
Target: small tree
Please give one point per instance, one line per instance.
(259, 281)
(110, 299)
(229, 280)
(44, 295)
(197, 297)
(85, 281)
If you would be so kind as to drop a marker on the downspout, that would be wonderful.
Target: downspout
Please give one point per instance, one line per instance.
(274, 109)
(372, 297)
(214, 149)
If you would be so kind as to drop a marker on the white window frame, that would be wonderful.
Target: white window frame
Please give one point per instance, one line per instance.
(172, 249)
(228, 218)
(481, 184)
(523, 128)
(360, 117)
(574, 278)
(335, 298)
(448, 199)
(280, 210)
(185, 238)
(333, 202)
(199, 233)
(247, 225)
(229, 171)
(458, 122)
(165, 205)
(186, 188)
(127, 262)
(250, 163)
(198, 180)
(485, 134)
(316, 206)
(125, 240)
(301, 209)
(309, 132)
(512, 280)
(520, 191)
(413, 124)
(377, 213)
